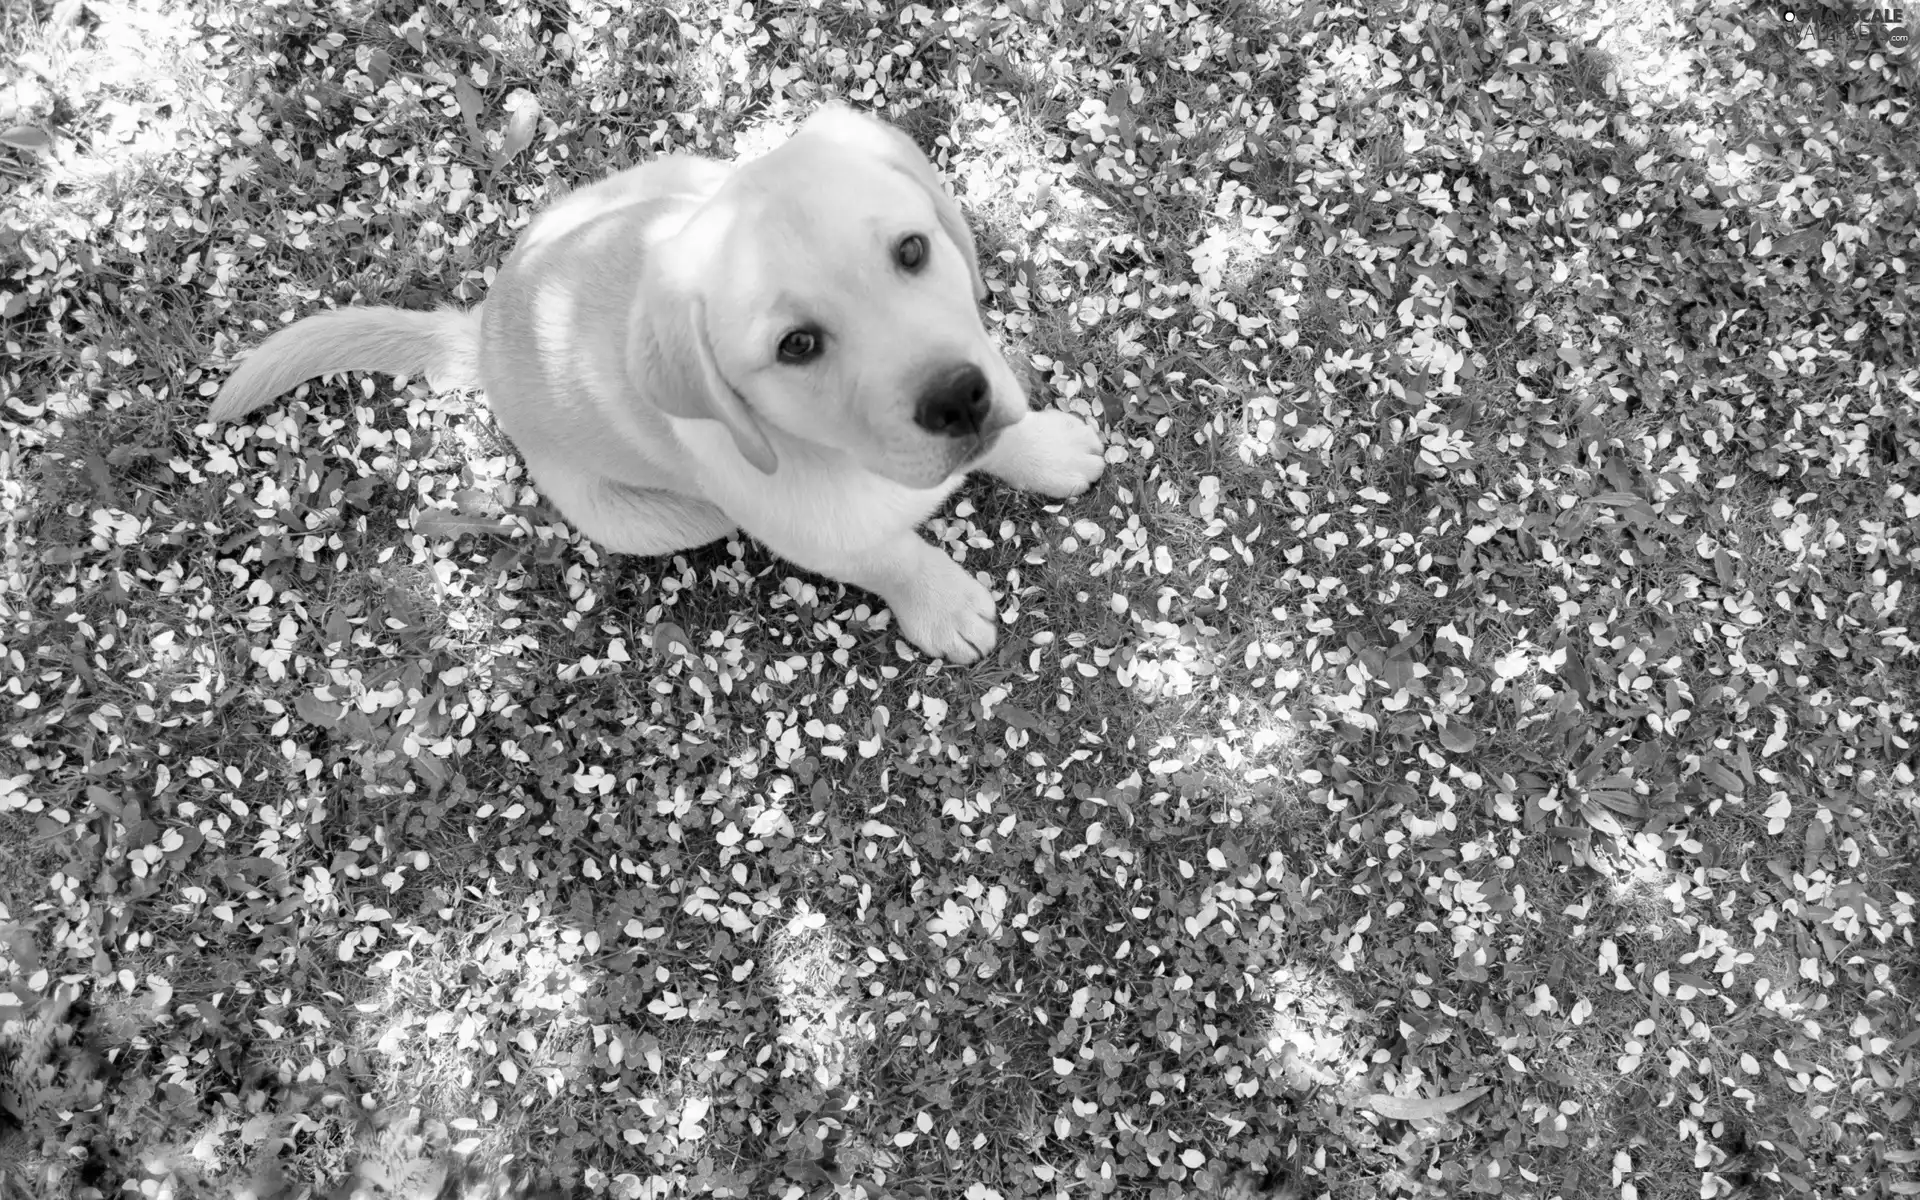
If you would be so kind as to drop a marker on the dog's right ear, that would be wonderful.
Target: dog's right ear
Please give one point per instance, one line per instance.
(673, 360)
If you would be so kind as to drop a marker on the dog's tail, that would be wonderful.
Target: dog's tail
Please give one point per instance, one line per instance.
(443, 345)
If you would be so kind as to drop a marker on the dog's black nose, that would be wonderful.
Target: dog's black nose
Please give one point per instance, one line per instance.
(955, 404)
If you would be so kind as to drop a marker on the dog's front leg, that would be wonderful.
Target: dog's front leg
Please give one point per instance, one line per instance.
(942, 609)
(1050, 452)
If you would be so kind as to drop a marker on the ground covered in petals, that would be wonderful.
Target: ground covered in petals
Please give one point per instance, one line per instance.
(1464, 745)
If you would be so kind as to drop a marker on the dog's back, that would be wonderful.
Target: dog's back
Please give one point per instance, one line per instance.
(445, 345)
(555, 342)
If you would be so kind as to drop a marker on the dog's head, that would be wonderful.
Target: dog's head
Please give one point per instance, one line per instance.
(828, 293)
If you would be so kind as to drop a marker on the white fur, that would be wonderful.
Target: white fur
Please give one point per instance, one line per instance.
(629, 349)
(440, 345)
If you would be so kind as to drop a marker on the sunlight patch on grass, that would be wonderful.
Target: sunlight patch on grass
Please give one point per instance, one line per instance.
(1318, 1035)
(1645, 43)
(1265, 742)
(119, 87)
(809, 973)
(472, 1058)
(1010, 182)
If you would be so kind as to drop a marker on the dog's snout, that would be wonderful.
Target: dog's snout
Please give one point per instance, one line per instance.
(956, 403)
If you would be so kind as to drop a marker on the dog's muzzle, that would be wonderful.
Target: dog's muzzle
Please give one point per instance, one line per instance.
(955, 404)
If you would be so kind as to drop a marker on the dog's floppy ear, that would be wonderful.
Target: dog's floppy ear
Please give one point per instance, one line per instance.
(674, 362)
(849, 127)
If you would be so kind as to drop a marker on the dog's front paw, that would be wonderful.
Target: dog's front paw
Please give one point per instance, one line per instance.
(954, 620)
(1050, 452)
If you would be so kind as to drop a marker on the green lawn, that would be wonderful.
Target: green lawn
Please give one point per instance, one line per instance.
(1464, 745)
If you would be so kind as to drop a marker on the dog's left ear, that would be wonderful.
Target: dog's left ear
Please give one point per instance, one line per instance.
(847, 126)
(669, 352)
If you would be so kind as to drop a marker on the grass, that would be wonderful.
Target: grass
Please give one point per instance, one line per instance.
(1463, 746)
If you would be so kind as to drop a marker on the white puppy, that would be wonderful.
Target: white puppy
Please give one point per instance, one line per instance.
(789, 346)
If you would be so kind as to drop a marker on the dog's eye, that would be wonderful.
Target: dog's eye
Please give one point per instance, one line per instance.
(799, 345)
(911, 253)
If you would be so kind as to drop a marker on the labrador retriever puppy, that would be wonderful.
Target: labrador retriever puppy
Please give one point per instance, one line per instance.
(789, 346)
